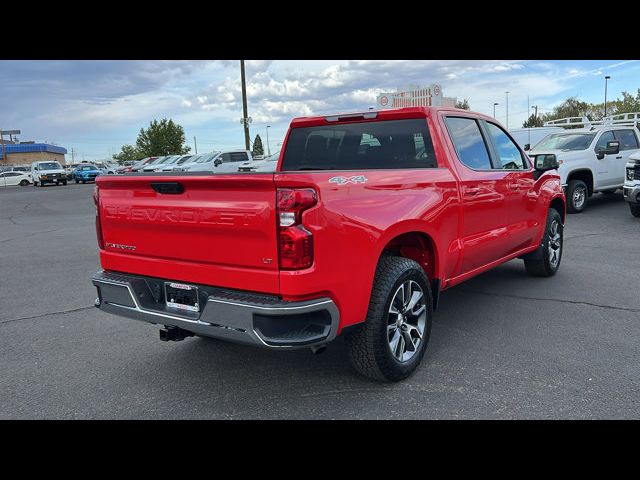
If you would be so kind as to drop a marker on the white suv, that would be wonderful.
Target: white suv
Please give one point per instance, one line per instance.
(631, 189)
(591, 159)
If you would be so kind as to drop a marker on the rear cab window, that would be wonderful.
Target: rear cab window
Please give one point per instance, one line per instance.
(469, 143)
(627, 139)
(386, 144)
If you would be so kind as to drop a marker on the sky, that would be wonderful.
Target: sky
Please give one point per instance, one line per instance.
(95, 107)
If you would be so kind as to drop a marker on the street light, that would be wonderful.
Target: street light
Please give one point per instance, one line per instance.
(268, 147)
(494, 109)
(507, 94)
(606, 80)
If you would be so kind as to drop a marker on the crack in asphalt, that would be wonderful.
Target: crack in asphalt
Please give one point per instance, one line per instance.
(61, 312)
(574, 302)
(29, 235)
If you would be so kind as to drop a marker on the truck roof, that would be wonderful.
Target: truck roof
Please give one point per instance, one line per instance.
(387, 114)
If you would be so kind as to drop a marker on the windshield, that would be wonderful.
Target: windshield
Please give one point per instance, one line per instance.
(208, 158)
(49, 166)
(565, 141)
(184, 159)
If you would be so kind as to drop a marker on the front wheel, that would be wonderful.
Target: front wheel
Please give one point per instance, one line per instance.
(390, 344)
(545, 261)
(635, 209)
(577, 194)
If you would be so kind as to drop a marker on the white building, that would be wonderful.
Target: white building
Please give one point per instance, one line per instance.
(415, 96)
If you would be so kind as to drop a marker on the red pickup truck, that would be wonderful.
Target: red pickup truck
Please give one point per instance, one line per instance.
(367, 218)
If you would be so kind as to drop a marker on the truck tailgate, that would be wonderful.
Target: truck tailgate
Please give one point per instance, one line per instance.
(218, 230)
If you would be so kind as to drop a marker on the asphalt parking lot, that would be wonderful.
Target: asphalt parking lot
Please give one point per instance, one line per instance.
(503, 345)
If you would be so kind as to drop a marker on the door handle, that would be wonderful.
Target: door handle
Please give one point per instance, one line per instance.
(618, 158)
(471, 191)
(514, 186)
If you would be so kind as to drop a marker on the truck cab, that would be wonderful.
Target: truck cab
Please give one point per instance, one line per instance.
(592, 158)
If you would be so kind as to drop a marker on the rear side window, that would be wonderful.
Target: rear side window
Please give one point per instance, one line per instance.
(469, 143)
(627, 138)
(392, 144)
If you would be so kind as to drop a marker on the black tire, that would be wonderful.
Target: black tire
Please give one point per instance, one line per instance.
(84, 181)
(575, 187)
(24, 183)
(35, 184)
(64, 182)
(539, 263)
(635, 209)
(76, 180)
(369, 347)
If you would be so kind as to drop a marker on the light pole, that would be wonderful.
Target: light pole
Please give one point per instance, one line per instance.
(507, 94)
(268, 147)
(606, 80)
(245, 119)
(494, 109)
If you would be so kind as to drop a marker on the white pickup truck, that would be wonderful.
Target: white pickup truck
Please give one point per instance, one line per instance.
(631, 189)
(593, 157)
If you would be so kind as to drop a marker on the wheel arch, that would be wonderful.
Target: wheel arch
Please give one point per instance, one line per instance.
(584, 174)
(558, 204)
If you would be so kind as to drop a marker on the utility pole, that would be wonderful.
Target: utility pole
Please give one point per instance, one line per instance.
(245, 117)
(268, 147)
(494, 109)
(195, 144)
(507, 94)
(606, 80)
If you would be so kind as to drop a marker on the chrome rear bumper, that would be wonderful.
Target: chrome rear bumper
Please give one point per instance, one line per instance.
(256, 319)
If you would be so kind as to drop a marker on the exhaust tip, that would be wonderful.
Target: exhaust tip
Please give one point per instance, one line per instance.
(318, 349)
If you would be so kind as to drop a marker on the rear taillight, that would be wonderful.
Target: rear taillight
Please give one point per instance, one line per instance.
(96, 200)
(295, 242)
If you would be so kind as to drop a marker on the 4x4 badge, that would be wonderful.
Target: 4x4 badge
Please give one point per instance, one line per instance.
(343, 180)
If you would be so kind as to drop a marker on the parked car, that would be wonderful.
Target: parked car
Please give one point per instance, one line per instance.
(368, 217)
(631, 188)
(591, 159)
(150, 167)
(171, 166)
(125, 167)
(267, 164)
(47, 171)
(9, 177)
(107, 168)
(168, 164)
(141, 163)
(197, 160)
(86, 172)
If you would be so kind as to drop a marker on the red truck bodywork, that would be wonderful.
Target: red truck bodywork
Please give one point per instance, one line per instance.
(222, 231)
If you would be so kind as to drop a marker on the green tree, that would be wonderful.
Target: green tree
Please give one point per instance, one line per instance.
(258, 149)
(464, 105)
(571, 107)
(128, 153)
(533, 121)
(628, 104)
(162, 137)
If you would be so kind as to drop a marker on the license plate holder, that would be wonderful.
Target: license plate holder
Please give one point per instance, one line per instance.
(181, 296)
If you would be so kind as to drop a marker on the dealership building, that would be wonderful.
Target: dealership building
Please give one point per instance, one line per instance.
(415, 96)
(24, 153)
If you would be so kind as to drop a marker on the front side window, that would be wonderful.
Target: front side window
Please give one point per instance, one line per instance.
(627, 138)
(469, 143)
(390, 144)
(509, 155)
(604, 139)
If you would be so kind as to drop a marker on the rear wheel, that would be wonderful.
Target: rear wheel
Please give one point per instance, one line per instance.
(64, 182)
(545, 261)
(577, 195)
(390, 344)
(635, 209)
(24, 183)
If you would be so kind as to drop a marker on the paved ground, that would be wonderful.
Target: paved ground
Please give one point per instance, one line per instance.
(504, 345)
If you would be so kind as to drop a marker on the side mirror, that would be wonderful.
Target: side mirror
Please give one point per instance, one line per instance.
(527, 146)
(217, 162)
(545, 162)
(612, 148)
